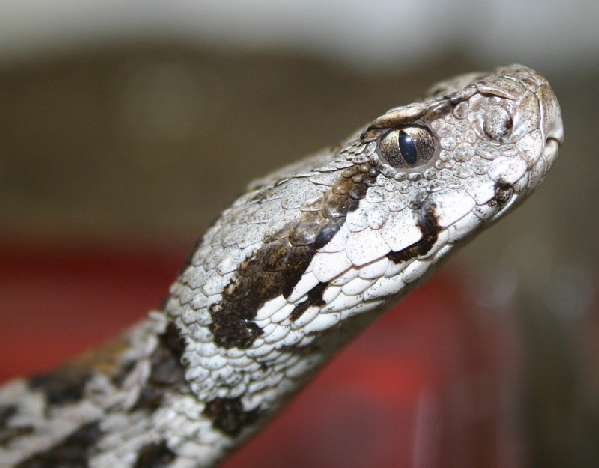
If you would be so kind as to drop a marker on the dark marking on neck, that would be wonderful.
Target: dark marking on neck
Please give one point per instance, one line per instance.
(154, 455)
(229, 416)
(118, 379)
(64, 385)
(279, 264)
(6, 412)
(167, 371)
(429, 227)
(314, 297)
(7, 432)
(72, 452)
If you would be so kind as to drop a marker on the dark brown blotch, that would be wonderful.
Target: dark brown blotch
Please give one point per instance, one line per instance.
(73, 451)
(172, 339)
(328, 231)
(314, 297)
(306, 231)
(297, 263)
(167, 372)
(277, 267)
(232, 331)
(229, 416)
(339, 205)
(268, 283)
(429, 227)
(118, 379)
(237, 288)
(8, 433)
(154, 455)
(66, 384)
(249, 267)
(358, 191)
(273, 256)
(6, 412)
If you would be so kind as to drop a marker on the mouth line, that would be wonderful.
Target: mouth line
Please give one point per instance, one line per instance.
(558, 140)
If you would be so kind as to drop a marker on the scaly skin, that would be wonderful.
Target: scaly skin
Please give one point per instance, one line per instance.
(291, 271)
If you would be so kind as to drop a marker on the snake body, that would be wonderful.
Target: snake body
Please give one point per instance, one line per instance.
(298, 265)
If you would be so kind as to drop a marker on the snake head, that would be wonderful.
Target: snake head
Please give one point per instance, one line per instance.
(314, 250)
(473, 148)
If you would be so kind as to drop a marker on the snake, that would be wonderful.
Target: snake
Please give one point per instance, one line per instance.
(299, 264)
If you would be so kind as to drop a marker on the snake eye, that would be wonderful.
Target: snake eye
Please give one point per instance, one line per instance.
(407, 147)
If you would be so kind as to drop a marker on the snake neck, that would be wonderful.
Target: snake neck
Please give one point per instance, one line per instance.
(131, 395)
(86, 406)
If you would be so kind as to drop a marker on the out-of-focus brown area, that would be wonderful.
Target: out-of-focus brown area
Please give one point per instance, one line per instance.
(150, 142)
(122, 155)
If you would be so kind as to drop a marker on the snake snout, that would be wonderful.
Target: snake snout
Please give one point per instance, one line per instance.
(552, 125)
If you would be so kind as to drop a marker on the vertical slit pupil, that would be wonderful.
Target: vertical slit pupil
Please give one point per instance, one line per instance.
(407, 148)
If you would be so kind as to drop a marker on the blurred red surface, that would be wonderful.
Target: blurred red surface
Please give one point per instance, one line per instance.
(428, 385)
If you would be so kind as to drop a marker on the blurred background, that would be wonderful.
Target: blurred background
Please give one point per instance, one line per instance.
(126, 127)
